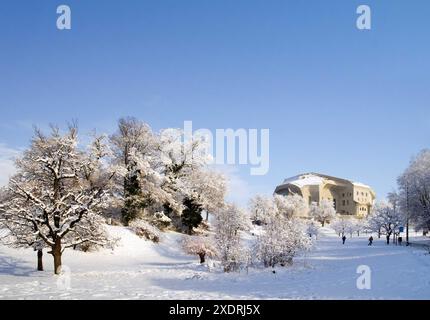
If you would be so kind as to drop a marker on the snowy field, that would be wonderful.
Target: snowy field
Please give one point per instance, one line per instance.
(141, 270)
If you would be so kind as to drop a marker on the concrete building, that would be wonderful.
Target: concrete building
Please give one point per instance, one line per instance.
(349, 198)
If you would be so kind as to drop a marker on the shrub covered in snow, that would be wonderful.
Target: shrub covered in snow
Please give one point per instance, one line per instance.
(312, 229)
(145, 230)
(200, 246)
(280, 242)
(229, 222)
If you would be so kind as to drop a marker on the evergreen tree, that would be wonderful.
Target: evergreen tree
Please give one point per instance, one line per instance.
(192, 214)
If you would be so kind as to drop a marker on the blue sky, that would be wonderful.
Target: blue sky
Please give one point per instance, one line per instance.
(337, 100)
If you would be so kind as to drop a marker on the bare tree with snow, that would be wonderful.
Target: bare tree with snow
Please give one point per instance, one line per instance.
(59, 192)
(386, 218)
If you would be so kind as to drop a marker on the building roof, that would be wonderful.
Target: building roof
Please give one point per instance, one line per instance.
(314, 179)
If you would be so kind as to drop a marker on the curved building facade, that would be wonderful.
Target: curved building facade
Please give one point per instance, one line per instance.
(349, 198)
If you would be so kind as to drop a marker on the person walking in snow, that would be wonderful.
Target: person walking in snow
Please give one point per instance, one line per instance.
(400, 240)
(370, 241)
(343, 239)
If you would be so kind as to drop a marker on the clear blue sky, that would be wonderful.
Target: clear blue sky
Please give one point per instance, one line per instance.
(337, 100)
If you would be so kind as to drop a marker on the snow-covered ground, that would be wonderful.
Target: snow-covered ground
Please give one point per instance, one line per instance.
(142, 270)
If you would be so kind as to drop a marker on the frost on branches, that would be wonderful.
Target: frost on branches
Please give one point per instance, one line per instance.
(324, 212)
(59, 192)
(229, 222)
(201, 246)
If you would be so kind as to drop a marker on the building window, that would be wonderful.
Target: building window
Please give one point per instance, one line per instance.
(343, 195)
(343, 202)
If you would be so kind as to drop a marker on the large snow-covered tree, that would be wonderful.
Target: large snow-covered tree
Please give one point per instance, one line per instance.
(324, 212)
(414, 191)
(60, 190)
(207, 188)
(136, 149)
(385, 218)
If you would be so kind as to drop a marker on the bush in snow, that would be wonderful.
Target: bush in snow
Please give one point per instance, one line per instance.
(260, 208)
(324, 212)
(280, 242)
(200, 246)
(145, 230)
(229, 222)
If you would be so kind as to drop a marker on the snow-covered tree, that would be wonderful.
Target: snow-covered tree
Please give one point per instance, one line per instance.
(281, 240)
(183, 160)
(137, 150)
(352, 227)
(59, 191)
(207, 188)
(261, 207)
(312, 229)
(414, 185)
(19, 235)
(291, 206)
(201, 246)
(339, 225)
(324, 212)
(385, 218)
(230, 221)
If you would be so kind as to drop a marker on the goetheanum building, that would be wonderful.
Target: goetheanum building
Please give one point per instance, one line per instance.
(349, 198)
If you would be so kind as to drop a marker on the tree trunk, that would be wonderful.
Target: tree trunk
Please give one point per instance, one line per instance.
(40, 260)
(202, 257)
(323, 223)
(56, 252)
(388, 239)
